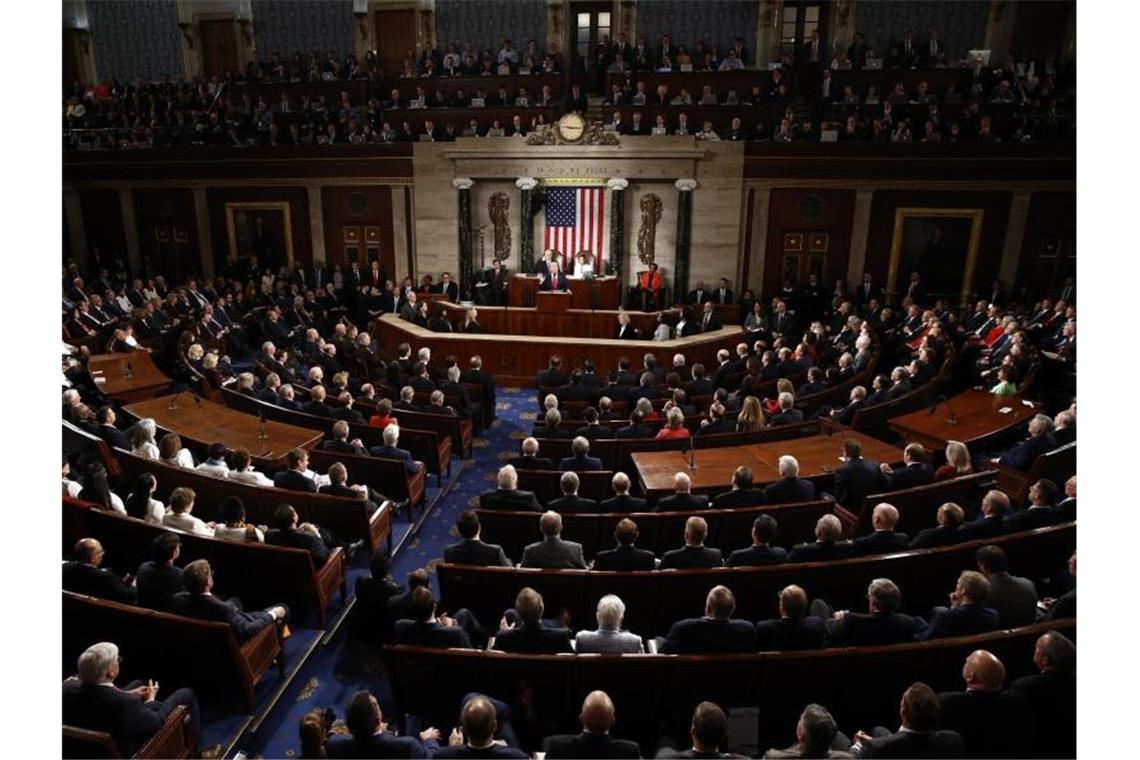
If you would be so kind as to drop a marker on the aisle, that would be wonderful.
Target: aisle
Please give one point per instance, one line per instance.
(340, 668)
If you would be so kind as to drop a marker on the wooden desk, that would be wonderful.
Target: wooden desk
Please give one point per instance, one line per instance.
(600, 293)
(145, 380)
(206, 423)
(817, 455)
(977, 419)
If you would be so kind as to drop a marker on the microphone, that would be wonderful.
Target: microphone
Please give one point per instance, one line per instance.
(261, 434)
(172, 406)
(692, 451)
(130, 373)
(951, 418)
(197, 399)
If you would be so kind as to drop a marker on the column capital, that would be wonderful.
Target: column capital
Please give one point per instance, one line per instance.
(462, 183)
(526, 183)
(685, 185)
(617, 183)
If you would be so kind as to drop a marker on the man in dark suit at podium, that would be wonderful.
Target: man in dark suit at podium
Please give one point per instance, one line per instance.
(555, 280)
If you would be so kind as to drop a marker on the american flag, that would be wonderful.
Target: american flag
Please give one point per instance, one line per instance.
(574, 223)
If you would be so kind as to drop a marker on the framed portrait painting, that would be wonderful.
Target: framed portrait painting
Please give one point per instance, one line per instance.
(264, 230)
(941, 244)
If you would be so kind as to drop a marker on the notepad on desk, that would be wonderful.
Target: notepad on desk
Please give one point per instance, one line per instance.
(1005, 410)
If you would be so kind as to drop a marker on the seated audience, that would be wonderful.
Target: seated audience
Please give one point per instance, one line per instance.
(529, 459)
(178, 513)
(966, 614)
(915, 472)
(287, 532)
(471, 550)
(682, 499)
(609, 638)
(1014, 599)
(920, 715)
(368, 735)
(957, 462)
(795, 629)
(1051, 696)
(950, 517)
(507, 497)
(626, 556)
(790, 487)
(742, 493)
(991, 722)
(233, 526)
(570, 501)
(552, 552)
(157, 579)
(815, 733)
(828, 543)
(882, 624)
(715, 633)
(83, 574)
(595, 741)
(530, 635)
(622, 501)
(884, 539)
(694, 553)
(389, 450)
(580, 459)
(197, 601)
(764, 529)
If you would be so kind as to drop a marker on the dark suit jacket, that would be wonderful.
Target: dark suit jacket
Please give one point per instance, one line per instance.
(991, 724)
(914, 474)
(786, 635)
(509, 501)
(720, 426)
(377, 745)
(914, 744)
(589, 745)
(157, 584)
(593, 432)
(294, 481)
(494, 752)
(531, 463)
(625, 558)
(1028, 519)
(580, 463)
(534, 639)
(854, 480)
(709, 636)
(930, 537)
(984, 527)
(344, 447)
(475, 552)
(692, 556)
(817, 552)
(630, 431)
(1021, 456)
(210, 607)
(554, 553)
(1051, 697)
(298, 539)
(880, 542)
(107, 708)
(1013, 598)
(873, 629)
(744, 497)
(624, 503)
(963, 620)
(755, 555)
(573, 504)
(418, 634)
(682, 502)
(113, 436)
(787, 490)
(789, 417)
(81, 578)
(394, 452)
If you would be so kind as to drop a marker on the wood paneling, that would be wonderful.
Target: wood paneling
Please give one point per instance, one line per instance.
(296, 197)
(994, 204)
(1052, 220)
(807, 210)
(358, 208)
(103, 224)
(219, 47)
(168, 232)
(395, 35)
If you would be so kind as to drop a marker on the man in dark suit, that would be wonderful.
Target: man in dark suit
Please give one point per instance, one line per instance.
(700, 384)
(340, 444)
(788, 415)
(919, 717)
(966, 614)
(593, 430)
(742, 493)
(555, 280)
(132, 715)
(478, 376)
(84, 576)
(795, 629)
(389, 450)
(368, 739)
(950, 517)
(595, 741)
(884, 539)
(857, 477)
(552, 552)
(827, 546)
(682, 500)
(634, 429)
(717, 421)
(995, 506)
(158, 580)
(622, 501)
(992, 723)
(716, 632)
(197, 601)
(1041, 512)
(1051, 696)
(108, 432)
(867, 292)
(552, 376)
(790, 487)
(626, 556)
(694, 553)
(722, 295)
(295, 478)
(424, 629)
(448, 287)
(530, 635)
(570, 501)
(529, 459)
(507, 497)
(286, 532)
(1013, 598)
(1040, 440)
(471, 550)
(581, 461)
(710, 319)
(915, 471)
(882, 624)
(764, 530)
(708, 731)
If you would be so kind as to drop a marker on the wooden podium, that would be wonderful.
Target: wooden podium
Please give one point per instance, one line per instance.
(553, 302)
(521, 290)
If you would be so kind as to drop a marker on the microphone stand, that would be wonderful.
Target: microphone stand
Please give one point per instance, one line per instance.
(692, 454)
(951, 418)
(174, 398)
(261, 434)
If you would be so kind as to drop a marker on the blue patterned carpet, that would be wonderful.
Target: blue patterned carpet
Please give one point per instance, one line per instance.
(340, 668)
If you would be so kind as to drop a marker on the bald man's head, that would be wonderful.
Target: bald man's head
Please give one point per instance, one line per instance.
(983, 671)
(597, 713)
(478, 721)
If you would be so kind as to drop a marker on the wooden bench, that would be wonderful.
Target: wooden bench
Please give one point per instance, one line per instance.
(389, 476)
(729, 529)
(860, 685)
(872, 420)
(455, 427)
(171, 649)
(1057, 465)
(176, 738)
(918, 506)
(656, 599)
(261, 575)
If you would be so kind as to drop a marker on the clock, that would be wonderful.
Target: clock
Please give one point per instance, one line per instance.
(572, 127)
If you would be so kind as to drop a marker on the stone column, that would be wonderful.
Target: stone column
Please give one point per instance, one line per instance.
(202, 224)
(761, 198)
(73, 211)
(617, 186)
(767, 33)
(130, 230)
(466, 272)
(526, 187)
(1014, 237)
(860, 227)
(684, 237)
(317, 225)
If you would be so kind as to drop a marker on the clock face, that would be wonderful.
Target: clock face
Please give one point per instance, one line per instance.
(572, 127)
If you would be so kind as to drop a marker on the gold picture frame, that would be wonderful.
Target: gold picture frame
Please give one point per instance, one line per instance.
(232, 209)
(973, 244)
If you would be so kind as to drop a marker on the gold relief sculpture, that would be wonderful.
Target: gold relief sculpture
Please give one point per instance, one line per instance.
(647, 234)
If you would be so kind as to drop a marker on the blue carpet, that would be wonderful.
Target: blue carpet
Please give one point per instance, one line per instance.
(339, 669)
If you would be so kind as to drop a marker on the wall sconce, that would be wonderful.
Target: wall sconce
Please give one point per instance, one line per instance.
(187, 33)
